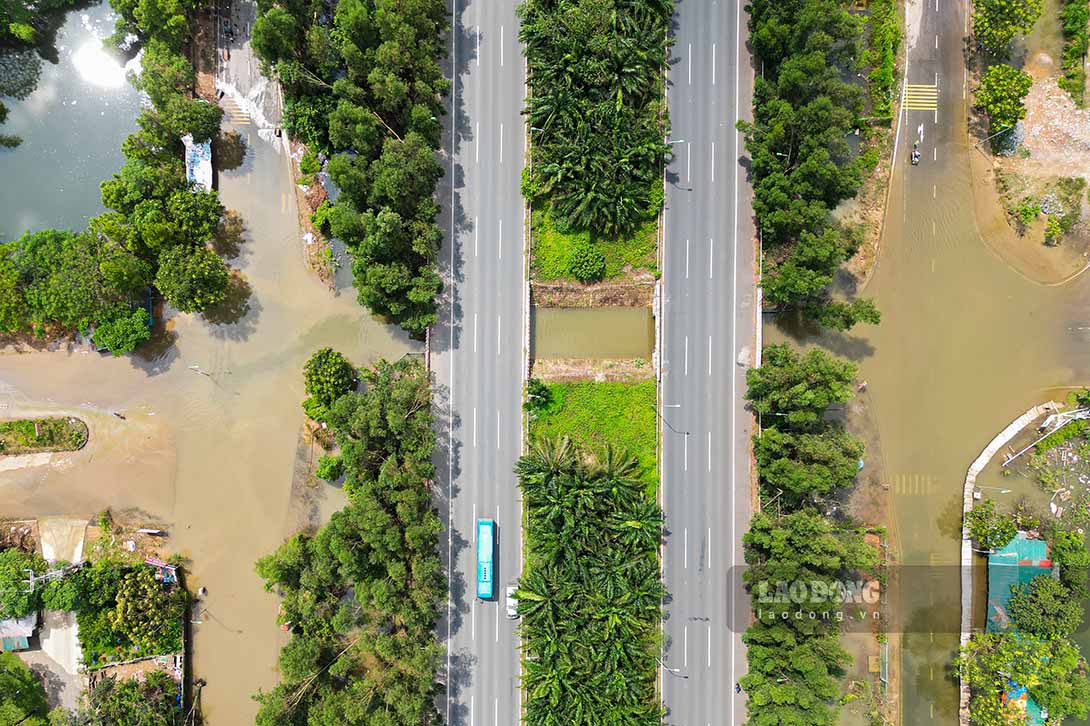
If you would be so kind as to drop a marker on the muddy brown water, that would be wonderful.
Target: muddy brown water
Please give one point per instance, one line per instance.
(605, 332)
(966, 345)
(212, 418)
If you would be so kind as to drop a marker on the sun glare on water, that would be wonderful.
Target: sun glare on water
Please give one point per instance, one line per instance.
(98, 67)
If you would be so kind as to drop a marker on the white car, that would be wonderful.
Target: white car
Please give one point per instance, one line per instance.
(512, 602)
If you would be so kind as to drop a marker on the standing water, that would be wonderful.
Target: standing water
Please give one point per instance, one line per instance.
(211, 407)
(966, 344)
(72, 125)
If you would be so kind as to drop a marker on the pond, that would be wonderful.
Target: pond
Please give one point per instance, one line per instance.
(610, 332)
(72, 125)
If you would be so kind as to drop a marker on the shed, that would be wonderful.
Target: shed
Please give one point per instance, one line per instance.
(15, 633)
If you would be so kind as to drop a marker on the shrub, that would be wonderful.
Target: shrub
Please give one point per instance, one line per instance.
(124, 333)
(586, 262)
(1028, 211)
(990, 529)
(538, 395)
(328, 375)
(1053, 231)
(330, 468)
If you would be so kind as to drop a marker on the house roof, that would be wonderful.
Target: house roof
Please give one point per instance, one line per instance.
(1021, 560)
(19, 627)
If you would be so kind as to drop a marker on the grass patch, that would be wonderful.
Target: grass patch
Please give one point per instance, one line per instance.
(551, 252)
(43, 434)
(596, 414)
(1062, 435)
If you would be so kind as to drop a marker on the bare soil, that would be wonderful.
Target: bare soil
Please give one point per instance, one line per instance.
(319, 254)
(636, 293)
(1056, 147)
(867, 210)
(566, 370)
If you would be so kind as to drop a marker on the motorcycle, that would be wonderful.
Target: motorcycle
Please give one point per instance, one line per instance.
(916, 153)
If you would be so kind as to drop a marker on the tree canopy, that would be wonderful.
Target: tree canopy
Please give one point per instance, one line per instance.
(798, 387)
(997, 22)
(591, 591)
(988, 527)
(22, 697)
(362, 595)
(596, 108)
(1001, 92)
(363, 86)
(1045, 608)
(802, 166)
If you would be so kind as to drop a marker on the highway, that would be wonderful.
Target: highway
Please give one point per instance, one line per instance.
(477, 354)
(708, 327)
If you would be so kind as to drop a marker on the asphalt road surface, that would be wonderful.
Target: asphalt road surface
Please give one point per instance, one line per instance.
(708, 327)
(477, 354)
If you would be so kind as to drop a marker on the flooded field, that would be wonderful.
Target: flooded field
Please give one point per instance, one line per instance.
(72, 126)
(211, 421)
(606, 332)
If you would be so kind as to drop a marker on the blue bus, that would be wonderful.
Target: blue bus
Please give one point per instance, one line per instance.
(485, 547)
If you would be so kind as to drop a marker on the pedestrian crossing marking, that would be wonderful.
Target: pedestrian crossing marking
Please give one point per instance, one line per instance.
(913, 485)
(921, 97)
(233, 112)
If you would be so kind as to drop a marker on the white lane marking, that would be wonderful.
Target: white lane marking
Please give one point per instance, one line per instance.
(499, 334)
(686, 259)
(686, 355)
(496, 719)
(499, 243)
(690, 64)
(936, 154)
(474, 332)
(709, 451)
(713, 64)
(474, 427)
(709, 355)
(501, 46)
(685, 550)
(450, 403)
(501, 143)
(713, 162)
(685, 455)
(934, 191)
(685, 646)
(477, 148)
(475, 236)
(936, 40)
(709, 646)
(711, 259)
(734, 327)
(497, 429)
(688, 161)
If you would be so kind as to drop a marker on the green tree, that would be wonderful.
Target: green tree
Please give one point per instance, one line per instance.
(997, 22)
(805, 465)
(125, 333)
(404, 175)
(149, 613)
(165, 73)
(16, 600)
(328, 375)
(275, 34)
(798, 387)
(1053, 671)
(13, 312)
(150, 702)
(185, 115)
(990, 529)
(192, 279)
(22, 697)
(1001, 92)
(195, 214)
(1045, 608)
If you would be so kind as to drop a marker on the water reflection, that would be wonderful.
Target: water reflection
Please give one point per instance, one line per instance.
(98, 67)
(72, 125)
